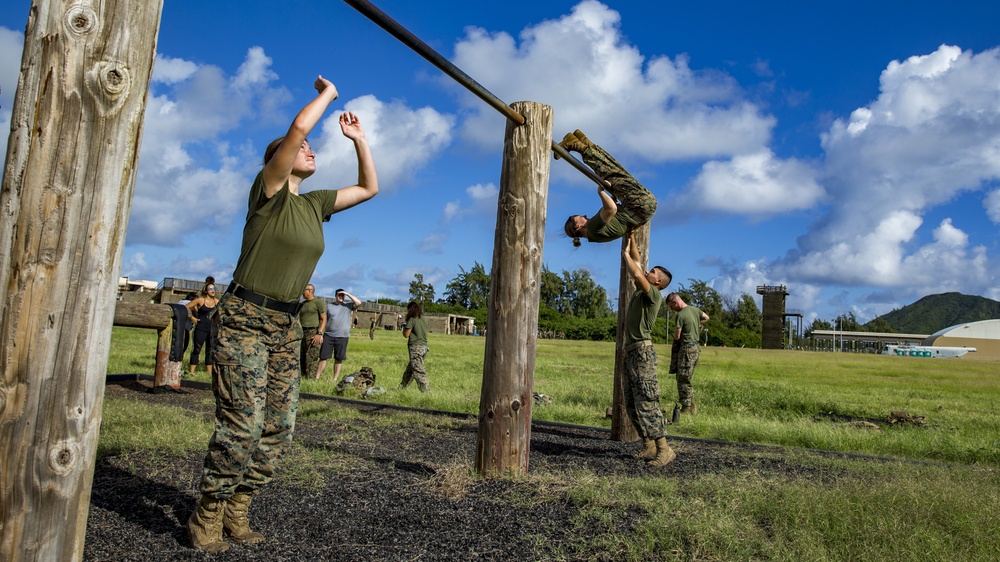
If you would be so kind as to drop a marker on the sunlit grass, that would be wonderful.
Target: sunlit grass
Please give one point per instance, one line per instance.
(773, 504)
(792, 398)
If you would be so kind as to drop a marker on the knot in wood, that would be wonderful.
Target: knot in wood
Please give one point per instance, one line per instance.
(62, 457)
(515, 405)
(109, 83)
(81, 19)
(114, 78)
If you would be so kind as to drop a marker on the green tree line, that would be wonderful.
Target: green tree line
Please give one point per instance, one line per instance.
(574, 306)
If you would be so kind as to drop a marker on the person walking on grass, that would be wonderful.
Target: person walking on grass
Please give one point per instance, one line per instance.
(313, 320)
(635, 204)
(415, 330)
(685, 352)
(256, 330)
(641, 388)
(338, 332)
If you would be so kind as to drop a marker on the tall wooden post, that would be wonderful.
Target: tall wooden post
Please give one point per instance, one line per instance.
(621, 427)
(64, 205)
(512, 323)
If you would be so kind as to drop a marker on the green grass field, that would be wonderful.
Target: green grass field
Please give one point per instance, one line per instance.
(791, 398)
(946, 506)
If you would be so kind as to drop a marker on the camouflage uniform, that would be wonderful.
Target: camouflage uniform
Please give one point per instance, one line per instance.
(415, 369)
(309, 356)
(687, 359)
(256, 386)
(634, 198)
(642, 391)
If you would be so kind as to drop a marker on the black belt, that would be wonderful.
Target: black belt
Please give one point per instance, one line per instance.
(291, 307)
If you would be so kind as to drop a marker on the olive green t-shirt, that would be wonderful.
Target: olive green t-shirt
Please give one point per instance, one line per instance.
(689, 321)
(309, 314)
(641, 314)
(282, 240)
(600, 231)
(418, 335)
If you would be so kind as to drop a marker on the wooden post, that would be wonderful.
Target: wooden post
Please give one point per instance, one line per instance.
(509, 363)
(64, 202)
(166, 372)
(621, 427)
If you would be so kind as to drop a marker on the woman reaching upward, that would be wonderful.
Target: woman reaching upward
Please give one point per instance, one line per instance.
(635, 204)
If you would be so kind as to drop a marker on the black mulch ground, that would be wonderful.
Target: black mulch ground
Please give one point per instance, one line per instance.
(388, 513)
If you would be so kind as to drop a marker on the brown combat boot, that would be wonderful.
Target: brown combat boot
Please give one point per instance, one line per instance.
(571, 142)
(689, 408)
(583, 138)
(235, 523)
(648, 449)
(205, 526)
(664, 454)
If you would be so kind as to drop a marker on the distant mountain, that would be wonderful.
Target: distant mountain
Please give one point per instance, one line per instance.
(935, 312)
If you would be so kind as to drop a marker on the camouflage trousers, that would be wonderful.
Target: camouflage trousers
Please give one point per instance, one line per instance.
(309, 356)
(256, 386)
(631, 195)
(687, 359)
(415, 368)
(642, 393)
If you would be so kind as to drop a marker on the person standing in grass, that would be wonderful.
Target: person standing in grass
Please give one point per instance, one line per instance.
(642, 390)
(256, 330)
(313, 320)
(415, 330)
(201, 310)
(338, 332)
(686, 352)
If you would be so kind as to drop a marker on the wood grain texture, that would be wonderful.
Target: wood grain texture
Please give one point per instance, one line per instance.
(64, 202)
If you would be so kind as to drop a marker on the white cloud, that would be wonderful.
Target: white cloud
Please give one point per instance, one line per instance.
(481, 201)
(992, 205)
(188, 180)
(582, 66)
(756, 184)
(433, 243)
(169, 70)
(402, 140)
(932, 133)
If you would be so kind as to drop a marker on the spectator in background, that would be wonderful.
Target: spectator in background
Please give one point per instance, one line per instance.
(312, 316)
(189, 323)
(338, 331)
(415, 329)
(686, 352)
(200, 311)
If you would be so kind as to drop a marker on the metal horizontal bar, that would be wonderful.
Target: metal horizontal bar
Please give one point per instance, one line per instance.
(412, 41)
(381, 19)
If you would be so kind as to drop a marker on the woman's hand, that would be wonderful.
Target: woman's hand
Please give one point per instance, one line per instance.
(322, 84)
(351, 126)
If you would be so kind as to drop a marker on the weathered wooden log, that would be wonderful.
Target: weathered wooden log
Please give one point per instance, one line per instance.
(509, 363)
(143, 315)
(65, 197)
(161, 318)
(621, 427)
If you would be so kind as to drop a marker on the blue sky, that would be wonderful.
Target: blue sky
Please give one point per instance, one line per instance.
(849, 150)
